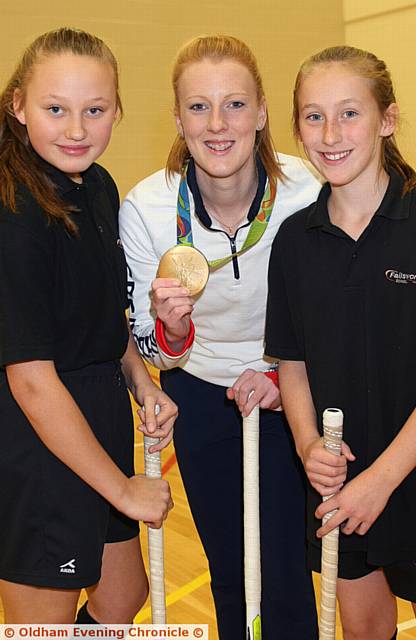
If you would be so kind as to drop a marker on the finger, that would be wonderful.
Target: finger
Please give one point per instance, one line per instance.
(150, 410)
(167, 413)
(326, 507)
(176, 307)
(346, 451)
(249, 405)
(165, 283)
(164, 429)
(325, 473)
(322, 489)
(150, 434)
(363, 528)
(326, 480)
(230, 393)
(163, 442)
(327, 491)
(269, 399)
(142, 417)
(333, 460)
(249, 396)
(328, 465)
(350, 526)
(169, 506)
(161, 295)
(331, 524)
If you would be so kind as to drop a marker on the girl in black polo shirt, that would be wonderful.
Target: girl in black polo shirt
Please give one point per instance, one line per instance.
(69, 500)
(341, 314)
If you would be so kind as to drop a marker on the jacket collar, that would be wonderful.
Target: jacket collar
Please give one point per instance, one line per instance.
(200, 210)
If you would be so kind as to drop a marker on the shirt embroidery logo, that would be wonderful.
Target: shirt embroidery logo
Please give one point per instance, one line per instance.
(400, 278)
(68, 567)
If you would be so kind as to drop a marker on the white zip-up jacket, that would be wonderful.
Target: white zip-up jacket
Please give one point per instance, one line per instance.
(229, 315)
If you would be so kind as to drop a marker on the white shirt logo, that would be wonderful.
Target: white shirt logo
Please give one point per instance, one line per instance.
(68, 567)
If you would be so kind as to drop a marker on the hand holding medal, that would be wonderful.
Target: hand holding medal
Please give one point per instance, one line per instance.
(182, 274)
(186, 264)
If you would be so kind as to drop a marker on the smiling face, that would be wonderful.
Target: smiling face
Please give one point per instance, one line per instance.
(218, 114)
(340, 124)
(69, 108)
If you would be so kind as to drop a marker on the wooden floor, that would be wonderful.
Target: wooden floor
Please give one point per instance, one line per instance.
(187, 579)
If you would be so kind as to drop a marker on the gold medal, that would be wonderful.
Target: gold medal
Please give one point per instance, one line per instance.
(186, 264)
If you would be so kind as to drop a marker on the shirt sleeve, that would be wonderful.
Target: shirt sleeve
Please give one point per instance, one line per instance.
(282, 338)
(26, 292)
(142, 264)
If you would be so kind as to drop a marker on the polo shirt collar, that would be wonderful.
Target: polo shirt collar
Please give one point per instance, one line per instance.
(200, 210)
(66, 185)
(393, 205)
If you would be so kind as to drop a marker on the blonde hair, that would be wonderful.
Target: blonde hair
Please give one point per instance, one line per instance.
(366, 65)
(18, 161)
(219, 48)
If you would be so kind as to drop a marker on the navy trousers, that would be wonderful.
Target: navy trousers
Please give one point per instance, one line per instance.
(208, 443)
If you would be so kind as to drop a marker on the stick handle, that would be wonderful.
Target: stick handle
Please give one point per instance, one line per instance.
(333, 423)
(252, 567)
(152, 466)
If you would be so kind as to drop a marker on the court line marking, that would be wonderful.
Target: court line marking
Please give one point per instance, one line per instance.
(170, 462)
(409, 624)
(204, 578)
(180, 593)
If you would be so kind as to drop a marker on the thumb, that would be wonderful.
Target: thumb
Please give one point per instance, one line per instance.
(346, 451)
(230, 393)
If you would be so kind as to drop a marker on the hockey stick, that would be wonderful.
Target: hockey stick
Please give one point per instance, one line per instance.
(252, 567)
(332, 422)
(153, 469)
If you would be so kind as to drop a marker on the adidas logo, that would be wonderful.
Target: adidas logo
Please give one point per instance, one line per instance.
(68, 567)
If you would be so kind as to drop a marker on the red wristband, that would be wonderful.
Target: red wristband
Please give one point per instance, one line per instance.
(274, 376)
(162, 342)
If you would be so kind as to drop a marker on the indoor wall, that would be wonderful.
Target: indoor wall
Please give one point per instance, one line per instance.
(144, 35)
(387, 28)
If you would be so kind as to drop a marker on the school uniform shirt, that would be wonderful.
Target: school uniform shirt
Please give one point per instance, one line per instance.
(63, 296)
(348, 308)
(229, 315)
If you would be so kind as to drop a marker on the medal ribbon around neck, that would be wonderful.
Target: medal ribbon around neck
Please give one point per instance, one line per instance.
(257, 227)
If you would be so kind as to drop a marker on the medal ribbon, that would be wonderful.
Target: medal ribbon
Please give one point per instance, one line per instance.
(257, 227)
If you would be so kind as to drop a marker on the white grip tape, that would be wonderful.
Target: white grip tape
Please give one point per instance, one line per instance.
(152, 465)
(252, 564)
(332, 423)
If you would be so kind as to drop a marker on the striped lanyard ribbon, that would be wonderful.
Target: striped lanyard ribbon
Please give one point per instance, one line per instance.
(257, 227)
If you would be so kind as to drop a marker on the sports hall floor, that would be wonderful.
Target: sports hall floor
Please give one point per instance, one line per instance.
(186, 572)
(187, 577)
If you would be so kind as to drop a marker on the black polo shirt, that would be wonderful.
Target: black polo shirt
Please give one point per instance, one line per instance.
(63, 297)
(348, 309)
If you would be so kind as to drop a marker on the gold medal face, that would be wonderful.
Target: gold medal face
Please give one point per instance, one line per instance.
(186, 264)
